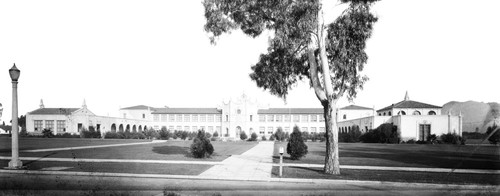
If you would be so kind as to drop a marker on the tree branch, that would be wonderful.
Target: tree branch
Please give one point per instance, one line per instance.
(313, 73)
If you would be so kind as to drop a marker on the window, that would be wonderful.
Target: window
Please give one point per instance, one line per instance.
(171, 118)
(304, 129)
(218, 118)
(195, 118)
(179, 118)
(279, 118)
(210, 129)
(432, 113)
(304, 118)
(313, 129)
(124, 115)
(344, 117)
(380, 114)
(217, 128)
(156, 127)
(156, 117)
(143, 115)
(49, 124)
(203, 118)
(227, 118)
(269, 130)
(202, 128)
(170, 128)
(186, 128)
(179, 128)
(384, 114)
(322, 129)
(425, 131)
(287, 129)
(296, 118)
(270, 118)
(262, 130)
(210, 118)
(251, 118)
(238, 111)
(187, 117)
(195, 128)
(314, 118)
(262, 118)
(390, 114)
(416, 113)
(401, 113)
(61, 126)
(287, 118)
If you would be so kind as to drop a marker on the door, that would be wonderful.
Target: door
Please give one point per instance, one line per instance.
(424, 132)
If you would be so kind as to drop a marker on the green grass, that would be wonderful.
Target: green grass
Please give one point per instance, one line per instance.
(403, 155)
(44, 143)
(392, 176)
(136, 168)
(171, 150)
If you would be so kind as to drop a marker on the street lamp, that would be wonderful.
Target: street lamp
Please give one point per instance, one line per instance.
(15, 163)
(281, 160)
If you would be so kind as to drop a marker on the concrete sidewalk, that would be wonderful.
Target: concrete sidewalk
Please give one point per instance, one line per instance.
(97, 146)
(254, 164)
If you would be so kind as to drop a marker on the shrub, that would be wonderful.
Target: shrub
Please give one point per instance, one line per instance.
(264, 138)
(322, 136)
(137, 135)
(305, 135)
(191, 135)
(352, 136)
(113, 135)
(431, 139)
(90, 133)
(253, 137)
(451, 138)
(216, 134)
(201, 146)
(296, 147)
(271, 138)
(184, 135)
(279, 134)
(208, 135)
(385, 133)
(151, 133)
(411, 141)
(495, 138)
(23, 132)
(47, 133)
(243, 135)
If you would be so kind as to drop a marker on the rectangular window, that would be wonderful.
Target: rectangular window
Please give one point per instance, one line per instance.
(210, 118)
(304, 118)
(279, 118)
(186, 128)
(313, 129)
(287, 118)
(287, 129)
(314, 118)
(262, 118)
(210, 129)
(269, 130)
(270, 118)
(322, 129)
(251, 118)
(304, 129)
(156, 117)
(203, 118)
(171, 118)
(164, 117)
(171, 128)
(156, 127)
(262, 130)
(49, 124)
(195, 128)
(321, 118)
(195, 118)
(227, 118)
(217, 128)
(296, 118)
(179, 118)
(61, 126)
(187, 117)
(179, 128)
(218, 118)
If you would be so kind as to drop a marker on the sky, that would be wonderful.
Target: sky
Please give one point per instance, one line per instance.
(122, 53)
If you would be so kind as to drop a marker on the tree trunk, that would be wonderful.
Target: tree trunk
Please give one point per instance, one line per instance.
(332, 165)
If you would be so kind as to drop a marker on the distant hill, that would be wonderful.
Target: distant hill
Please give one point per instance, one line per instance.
(476, 115)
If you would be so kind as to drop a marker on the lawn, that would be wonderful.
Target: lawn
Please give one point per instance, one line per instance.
(392, 176)
(30, 143)
(171, 150)
(403, 155)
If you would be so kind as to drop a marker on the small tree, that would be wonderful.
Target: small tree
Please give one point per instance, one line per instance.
(296, 146)
(47, 133)
(263, 138)
(201, 146)
(243, 135)
(495, 138)
(279, 134)
(216, 134)
(253, 137)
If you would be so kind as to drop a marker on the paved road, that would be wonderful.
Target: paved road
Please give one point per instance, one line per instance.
(22, 184)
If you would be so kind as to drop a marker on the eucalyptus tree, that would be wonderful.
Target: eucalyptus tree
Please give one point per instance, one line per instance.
(306, 43)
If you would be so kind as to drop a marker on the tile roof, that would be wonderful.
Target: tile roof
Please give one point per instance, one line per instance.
(355, 107)
(137, 107)
(54, 111)
(409, 104)
(187, 111)
(291, 111)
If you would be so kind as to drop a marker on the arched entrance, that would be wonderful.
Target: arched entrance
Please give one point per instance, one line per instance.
(127, 129)
(134, 129)
(238, 131)
(120, 128)
(140, 127)
(113, 128)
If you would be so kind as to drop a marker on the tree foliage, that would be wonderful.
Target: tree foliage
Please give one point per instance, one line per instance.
(201, 146)
(296, 146)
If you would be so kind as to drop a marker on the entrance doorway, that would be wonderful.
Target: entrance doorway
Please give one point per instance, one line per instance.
(424, 131)
(238, 131)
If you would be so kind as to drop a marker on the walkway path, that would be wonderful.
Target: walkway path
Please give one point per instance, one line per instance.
(98, 146)
(254, 164)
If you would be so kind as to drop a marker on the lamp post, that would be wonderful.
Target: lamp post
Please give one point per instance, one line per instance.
(281, 160)
(15, 163)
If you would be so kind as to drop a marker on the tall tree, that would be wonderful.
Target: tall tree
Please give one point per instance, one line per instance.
(331, 55)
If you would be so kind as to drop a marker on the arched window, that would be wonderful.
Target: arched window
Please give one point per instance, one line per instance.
(401, 113)
(432, 113)
(416, 113)
(390, 114)
(384, 114)
(238, 111)
(344, 117)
